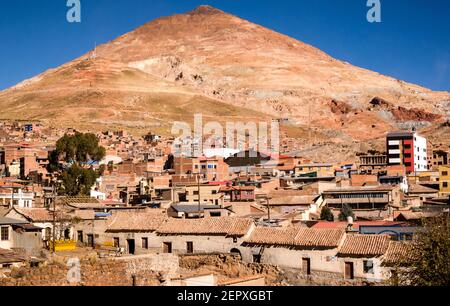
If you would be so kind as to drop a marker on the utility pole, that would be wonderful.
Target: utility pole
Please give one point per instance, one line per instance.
(199, 197)
(54, 219)
(268, 208)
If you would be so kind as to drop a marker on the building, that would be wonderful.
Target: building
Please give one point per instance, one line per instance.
(12, 194)
(206, 194)
(206, 236)
(238, 193)
(20, 235)
(438, 158)
(367, 202)
(371, 163)
(408, 149)
(209, 169)
(444, 180)
(321, 170)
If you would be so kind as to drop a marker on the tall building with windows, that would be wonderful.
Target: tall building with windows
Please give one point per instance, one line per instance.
(408, 149)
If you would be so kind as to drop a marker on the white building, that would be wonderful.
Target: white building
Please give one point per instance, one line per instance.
(16, 197)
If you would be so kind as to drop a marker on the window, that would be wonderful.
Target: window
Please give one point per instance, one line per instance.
(5, 233)
(145, 243)
(189, 247)
(116, 242)
(444, 173)
(445, 184)
(368, 267)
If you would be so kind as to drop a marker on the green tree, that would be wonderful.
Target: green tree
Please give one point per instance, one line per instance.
(70, 159)
(79, 148)
(428, 260)
(346, 212)
(326, 214)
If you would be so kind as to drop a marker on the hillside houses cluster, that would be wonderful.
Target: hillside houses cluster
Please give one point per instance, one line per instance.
(262, 209)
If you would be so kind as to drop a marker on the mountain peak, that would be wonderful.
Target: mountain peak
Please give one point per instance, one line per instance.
(205, 10)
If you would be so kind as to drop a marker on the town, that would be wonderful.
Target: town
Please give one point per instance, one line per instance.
(136, 210)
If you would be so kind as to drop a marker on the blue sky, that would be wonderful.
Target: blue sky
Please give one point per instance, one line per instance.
(411, 43)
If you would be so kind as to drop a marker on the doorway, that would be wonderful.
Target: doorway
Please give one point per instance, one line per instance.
(90, 238)
(167, 247)
(306, 266)
(349, 270)
(131, 246)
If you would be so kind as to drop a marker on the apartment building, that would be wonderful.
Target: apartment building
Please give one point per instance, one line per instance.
(408, 149)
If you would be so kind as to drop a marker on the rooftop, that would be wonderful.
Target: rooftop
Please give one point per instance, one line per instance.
(296, 237)
(227, 226)
(137, 220)
(364, 245)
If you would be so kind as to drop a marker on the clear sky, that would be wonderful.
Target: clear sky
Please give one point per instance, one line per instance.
(411, 43)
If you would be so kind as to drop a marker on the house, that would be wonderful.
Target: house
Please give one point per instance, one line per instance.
(132, 230)
(205, 236)
(20, 235)
(44, 219)
(309, 250)
(424, 193)
(360, 257)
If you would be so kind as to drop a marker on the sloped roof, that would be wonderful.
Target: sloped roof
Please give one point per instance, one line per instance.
(364, 245)
(296, 236)
(227, 226)
(137, 221)
(416, 188)
(273, 236)
(308, 237)
(39, 214)
(397, 252)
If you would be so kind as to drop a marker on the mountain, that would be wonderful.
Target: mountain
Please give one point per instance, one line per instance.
(229, 69)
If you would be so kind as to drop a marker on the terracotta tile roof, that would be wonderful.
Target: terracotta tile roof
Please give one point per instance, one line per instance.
(364, 245)
(329, 238)
(137, 221)
(397, 252)
(227, 226)
(39, 214)
(297, 237)
(83, 202)
(273, 236)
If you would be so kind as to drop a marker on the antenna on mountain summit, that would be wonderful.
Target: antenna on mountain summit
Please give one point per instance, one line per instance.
(93, 53)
